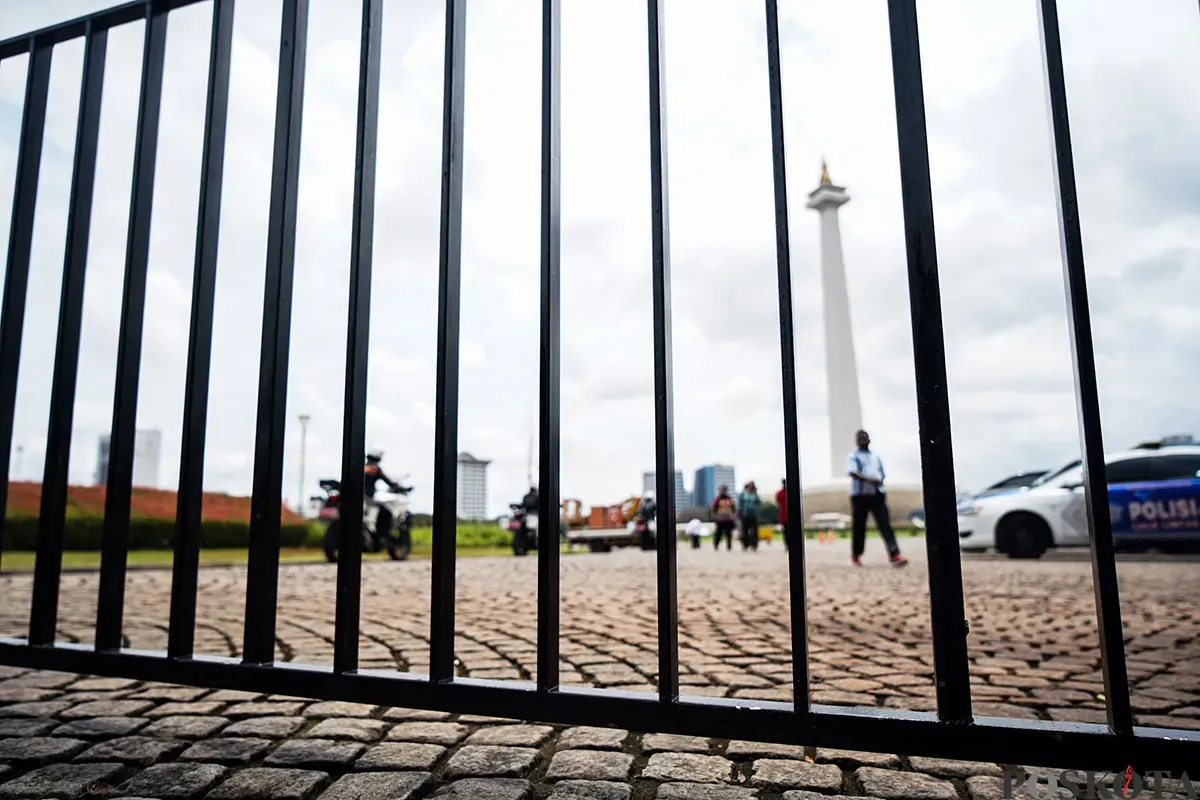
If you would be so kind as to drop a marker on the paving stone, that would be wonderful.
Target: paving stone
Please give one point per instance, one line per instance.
(400, 756)
(591, 790)
(175, 781)
(88, 697)
(33, 751)
(228, 750)
(478, 761)
(20, 726)
(988, 787)
(674, 743)
(185, 727)
(477, 719)
(783, 773)
(443, 733)
(950, 768)
(177, 694)
(102, 684)
(47, 708)
(512, 735)
(358, 730)
(893, 785)
(379, 786)
(255, 709)
(704, 791)
(101, 727)
(487, 789)
(586, 737)
(315, 754)
(44, 678)
(742, 749)
(107, 708)
(201, 708)
(337, 708)
(801, 794)
(265, 783)
(140, 751)
(62, 782)
(591, 765)
(688, 768)
(26, 694)
(415, 715)
(234, 696)
(4, 770)
(853, 759)
(7, 672)
(265, 727)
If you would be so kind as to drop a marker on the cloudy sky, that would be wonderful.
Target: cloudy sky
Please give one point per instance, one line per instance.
(1133, 87)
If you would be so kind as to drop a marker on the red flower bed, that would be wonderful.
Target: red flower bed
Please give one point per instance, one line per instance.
(24, 499)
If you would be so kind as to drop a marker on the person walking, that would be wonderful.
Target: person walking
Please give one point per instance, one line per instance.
(867, 496)
(747, 506)
(781, 504)
(693, 530)
(724, 511)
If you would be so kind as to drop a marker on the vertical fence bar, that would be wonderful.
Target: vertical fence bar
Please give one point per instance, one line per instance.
(20, 243)
(549, 514)
(358, 327)
(53, 517)
(266, 503)
(793, 528)
(664, 404)
(445, 455)
(190, 502)
(929, 358)
(1087, 392)
(119, 483)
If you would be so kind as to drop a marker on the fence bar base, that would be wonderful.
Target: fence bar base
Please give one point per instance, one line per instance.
(1010, 741)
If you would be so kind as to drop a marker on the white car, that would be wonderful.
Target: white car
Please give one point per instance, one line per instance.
(1154, 498)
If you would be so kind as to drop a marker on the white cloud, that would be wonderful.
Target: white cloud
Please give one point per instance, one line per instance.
(1131, 80)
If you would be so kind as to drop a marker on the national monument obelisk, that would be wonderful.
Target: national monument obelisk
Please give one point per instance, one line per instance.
(841, 366)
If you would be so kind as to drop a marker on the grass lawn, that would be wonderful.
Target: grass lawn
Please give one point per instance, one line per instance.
(22, 560)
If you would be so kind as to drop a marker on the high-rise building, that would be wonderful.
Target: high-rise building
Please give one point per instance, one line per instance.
(147, 457)
(708, 480)
(472, 487)
(683, 498)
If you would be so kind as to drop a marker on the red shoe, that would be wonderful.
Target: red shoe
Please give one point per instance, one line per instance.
(856, 561)
(899, 561)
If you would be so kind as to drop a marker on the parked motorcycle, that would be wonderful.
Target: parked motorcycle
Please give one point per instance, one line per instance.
(397, 542)
(523, 526)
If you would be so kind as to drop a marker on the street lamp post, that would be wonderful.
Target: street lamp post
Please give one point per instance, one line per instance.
(304, 418)
(20, 454)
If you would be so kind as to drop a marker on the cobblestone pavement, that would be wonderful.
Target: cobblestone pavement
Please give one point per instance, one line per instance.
(1033, 649)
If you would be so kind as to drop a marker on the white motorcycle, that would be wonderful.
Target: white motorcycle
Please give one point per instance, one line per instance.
(397, 541)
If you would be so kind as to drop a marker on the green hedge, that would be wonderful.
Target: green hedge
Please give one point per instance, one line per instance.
(470, 535)
(86, 533)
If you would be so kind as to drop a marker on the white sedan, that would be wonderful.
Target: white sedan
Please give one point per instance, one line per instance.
(1154, 498)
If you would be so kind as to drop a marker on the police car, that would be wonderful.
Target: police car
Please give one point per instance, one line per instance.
(1153, 496)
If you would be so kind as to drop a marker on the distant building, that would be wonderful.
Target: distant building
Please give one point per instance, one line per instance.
(708, 480)
(683, 498)
(147, 457)
(472, 487)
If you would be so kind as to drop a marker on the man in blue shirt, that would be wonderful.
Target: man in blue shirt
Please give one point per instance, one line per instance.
(867, 495)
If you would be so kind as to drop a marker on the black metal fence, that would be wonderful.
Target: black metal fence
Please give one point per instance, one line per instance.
(952, 732)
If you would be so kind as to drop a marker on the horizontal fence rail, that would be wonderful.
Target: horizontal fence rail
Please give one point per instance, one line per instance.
(953, 731)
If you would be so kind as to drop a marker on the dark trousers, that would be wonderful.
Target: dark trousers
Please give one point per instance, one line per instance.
(695, 542)
(749, 533)
(724, 528)
(876, 506)
(383, 522)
